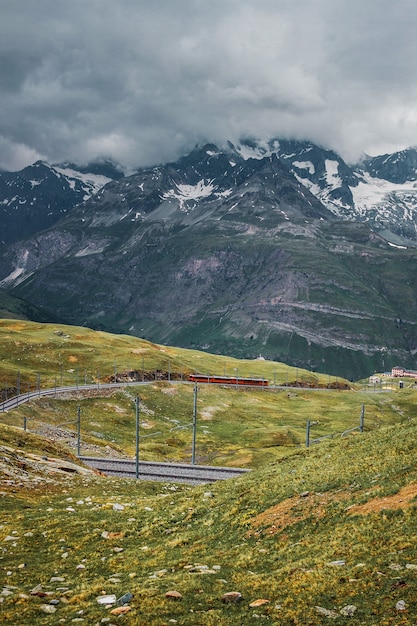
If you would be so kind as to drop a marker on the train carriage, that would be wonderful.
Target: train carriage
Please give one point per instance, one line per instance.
(228, 380)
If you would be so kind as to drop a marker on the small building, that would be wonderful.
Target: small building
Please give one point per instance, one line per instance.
(401, 372)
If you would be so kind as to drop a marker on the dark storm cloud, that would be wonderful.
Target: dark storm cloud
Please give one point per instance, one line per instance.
(141, 81)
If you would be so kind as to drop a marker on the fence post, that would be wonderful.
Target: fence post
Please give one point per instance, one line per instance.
(308, 434)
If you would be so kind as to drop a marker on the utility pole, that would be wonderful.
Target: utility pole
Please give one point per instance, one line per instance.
(137, 404)
(78, 430)
(194, 424)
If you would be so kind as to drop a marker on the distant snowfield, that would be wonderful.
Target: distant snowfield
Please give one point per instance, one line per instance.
(260, 151)
(374, 191)
(94, 181)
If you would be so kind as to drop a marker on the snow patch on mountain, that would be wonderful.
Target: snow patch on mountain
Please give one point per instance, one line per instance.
(91, 248)
(184, 193)
(394, 245)
(258, 150)
(93, 182)
(332, 174)
(305, 165)
(12, 277)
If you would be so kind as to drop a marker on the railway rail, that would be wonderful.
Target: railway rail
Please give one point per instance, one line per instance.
(168, 472)
(16, 401)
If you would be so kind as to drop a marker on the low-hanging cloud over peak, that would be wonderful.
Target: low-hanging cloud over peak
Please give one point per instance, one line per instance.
(143, 82)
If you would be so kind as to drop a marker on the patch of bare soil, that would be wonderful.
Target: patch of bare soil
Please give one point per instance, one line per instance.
(400, 500)
(293, 510)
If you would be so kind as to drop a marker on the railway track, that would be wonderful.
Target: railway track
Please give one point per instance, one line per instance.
(146, 470)
(16, 401)
(164, 472)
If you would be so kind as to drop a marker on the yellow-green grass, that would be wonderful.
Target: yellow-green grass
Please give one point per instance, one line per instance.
(292, 533)
(234, 426)
(245, 428)
(54, 353)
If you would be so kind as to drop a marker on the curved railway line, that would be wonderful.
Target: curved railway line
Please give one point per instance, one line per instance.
(16, 401)
(144, 470)
(169, 472)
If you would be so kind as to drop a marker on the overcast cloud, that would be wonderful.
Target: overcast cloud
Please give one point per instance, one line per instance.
(143, 81)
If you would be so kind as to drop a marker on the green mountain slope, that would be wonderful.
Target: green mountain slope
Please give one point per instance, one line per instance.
(14, 308)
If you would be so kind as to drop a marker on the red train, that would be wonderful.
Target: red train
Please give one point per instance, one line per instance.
(228, 380)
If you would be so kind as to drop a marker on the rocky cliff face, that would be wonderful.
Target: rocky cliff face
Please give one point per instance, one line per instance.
(232, 254)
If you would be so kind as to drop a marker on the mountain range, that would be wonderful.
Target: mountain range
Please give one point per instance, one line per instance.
(277, 249)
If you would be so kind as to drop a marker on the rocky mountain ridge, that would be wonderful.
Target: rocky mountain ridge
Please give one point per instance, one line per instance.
(39, 195)
(381, 190)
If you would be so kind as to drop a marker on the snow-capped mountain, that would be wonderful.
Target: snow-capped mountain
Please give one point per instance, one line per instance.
(379, 190)
(37, 196)
(245, 250)
(280, 248)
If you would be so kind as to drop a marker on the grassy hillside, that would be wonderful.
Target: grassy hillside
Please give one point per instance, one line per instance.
(65, 354)
(234, 427)
(310, 535)
(327, 533)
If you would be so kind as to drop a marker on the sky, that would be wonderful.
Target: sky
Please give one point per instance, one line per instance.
(142, 82)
